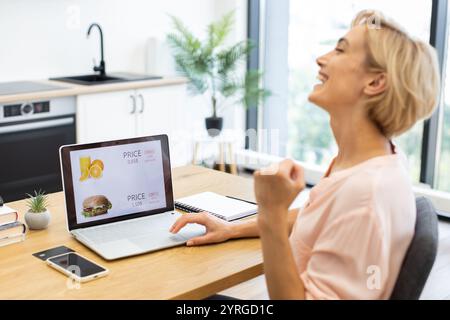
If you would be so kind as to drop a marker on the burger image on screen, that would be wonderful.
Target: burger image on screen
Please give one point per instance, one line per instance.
(95, 206)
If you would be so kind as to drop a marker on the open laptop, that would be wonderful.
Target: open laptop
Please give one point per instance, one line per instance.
(119, 197)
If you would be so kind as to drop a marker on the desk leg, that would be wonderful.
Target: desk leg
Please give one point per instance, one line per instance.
(221, 158)
(194, 156)
(233, 167)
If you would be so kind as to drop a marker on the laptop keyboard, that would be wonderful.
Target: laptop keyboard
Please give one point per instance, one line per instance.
(134, 229)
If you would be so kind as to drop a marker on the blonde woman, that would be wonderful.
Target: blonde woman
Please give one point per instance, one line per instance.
(349, 240)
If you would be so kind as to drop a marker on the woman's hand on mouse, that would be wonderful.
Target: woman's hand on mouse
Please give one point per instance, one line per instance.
(217, 230)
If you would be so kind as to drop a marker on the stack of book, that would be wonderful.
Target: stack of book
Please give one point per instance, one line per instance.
(11, 230)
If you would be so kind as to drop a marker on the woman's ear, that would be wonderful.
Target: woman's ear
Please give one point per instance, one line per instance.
(377, 85)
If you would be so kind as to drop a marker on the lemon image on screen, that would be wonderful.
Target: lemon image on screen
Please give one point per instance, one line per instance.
(90, 169)
(95, 171)
(99, 163)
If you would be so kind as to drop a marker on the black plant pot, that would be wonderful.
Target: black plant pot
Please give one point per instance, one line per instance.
(214, 126)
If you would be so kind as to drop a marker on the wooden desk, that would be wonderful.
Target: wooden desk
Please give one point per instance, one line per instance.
(176, 273)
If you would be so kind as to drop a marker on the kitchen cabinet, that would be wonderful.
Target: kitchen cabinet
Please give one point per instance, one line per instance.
(140, 112)
(158, 109)
(105, 116)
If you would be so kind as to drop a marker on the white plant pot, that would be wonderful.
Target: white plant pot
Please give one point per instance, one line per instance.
(37, 221)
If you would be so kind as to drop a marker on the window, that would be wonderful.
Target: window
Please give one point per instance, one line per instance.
(292, 34)
(314, 28)
(295, 32)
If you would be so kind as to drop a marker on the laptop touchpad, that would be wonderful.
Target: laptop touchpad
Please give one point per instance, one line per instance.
(122, 247)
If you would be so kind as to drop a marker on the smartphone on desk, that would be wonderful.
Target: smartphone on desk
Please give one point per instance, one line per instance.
(77, 267)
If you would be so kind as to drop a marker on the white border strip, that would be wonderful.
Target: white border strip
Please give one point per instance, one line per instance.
(255, 160)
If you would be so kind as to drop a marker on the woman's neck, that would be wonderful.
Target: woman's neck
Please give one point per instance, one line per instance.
(358, 140)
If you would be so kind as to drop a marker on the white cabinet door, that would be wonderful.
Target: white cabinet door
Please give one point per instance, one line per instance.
(105, 116)
(157, 109)
(162, 110)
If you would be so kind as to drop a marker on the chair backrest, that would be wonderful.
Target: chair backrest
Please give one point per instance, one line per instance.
(421, 254)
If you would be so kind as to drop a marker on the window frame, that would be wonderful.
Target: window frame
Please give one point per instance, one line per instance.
(253, 62)
(432, 127)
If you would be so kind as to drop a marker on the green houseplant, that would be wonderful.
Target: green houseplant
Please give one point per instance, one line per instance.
(214, 68)
(37, 217)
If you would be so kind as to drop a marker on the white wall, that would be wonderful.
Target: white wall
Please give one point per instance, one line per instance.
(46, 38)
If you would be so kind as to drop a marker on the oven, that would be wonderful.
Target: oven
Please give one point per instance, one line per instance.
(30, 136)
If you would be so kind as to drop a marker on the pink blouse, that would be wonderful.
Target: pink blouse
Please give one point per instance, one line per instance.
(350, 239)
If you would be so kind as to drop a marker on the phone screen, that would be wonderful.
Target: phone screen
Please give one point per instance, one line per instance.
(77, 265)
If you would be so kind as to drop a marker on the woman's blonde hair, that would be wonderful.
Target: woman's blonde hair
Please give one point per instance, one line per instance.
(411, 69)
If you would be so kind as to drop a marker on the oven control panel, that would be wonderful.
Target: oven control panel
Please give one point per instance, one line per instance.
(14, 110)
(35, 110)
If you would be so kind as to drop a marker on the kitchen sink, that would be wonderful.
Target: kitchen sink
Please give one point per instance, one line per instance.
(89, 79)
(103, 77)
(95, 79)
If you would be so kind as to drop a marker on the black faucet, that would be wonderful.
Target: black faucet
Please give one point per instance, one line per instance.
(101, 67)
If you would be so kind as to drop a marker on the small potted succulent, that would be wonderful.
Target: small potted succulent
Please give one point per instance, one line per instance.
(37, 217)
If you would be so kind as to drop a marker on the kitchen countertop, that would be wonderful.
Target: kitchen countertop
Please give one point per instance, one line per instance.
(70, 89)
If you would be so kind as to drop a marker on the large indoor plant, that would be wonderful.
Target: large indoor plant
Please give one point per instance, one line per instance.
(215, 68)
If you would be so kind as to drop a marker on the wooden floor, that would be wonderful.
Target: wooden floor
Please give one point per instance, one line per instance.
(437, 287)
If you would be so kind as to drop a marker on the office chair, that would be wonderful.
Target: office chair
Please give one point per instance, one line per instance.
(421, 254)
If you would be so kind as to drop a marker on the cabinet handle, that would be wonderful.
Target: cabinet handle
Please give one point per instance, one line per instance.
(133, 98)
(140, 96)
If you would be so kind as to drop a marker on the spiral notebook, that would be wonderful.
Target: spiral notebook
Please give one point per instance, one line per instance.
(224, 207)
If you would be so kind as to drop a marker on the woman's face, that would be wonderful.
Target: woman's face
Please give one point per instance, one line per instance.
(342, 74)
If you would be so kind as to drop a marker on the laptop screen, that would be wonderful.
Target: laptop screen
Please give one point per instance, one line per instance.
(117, 180)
